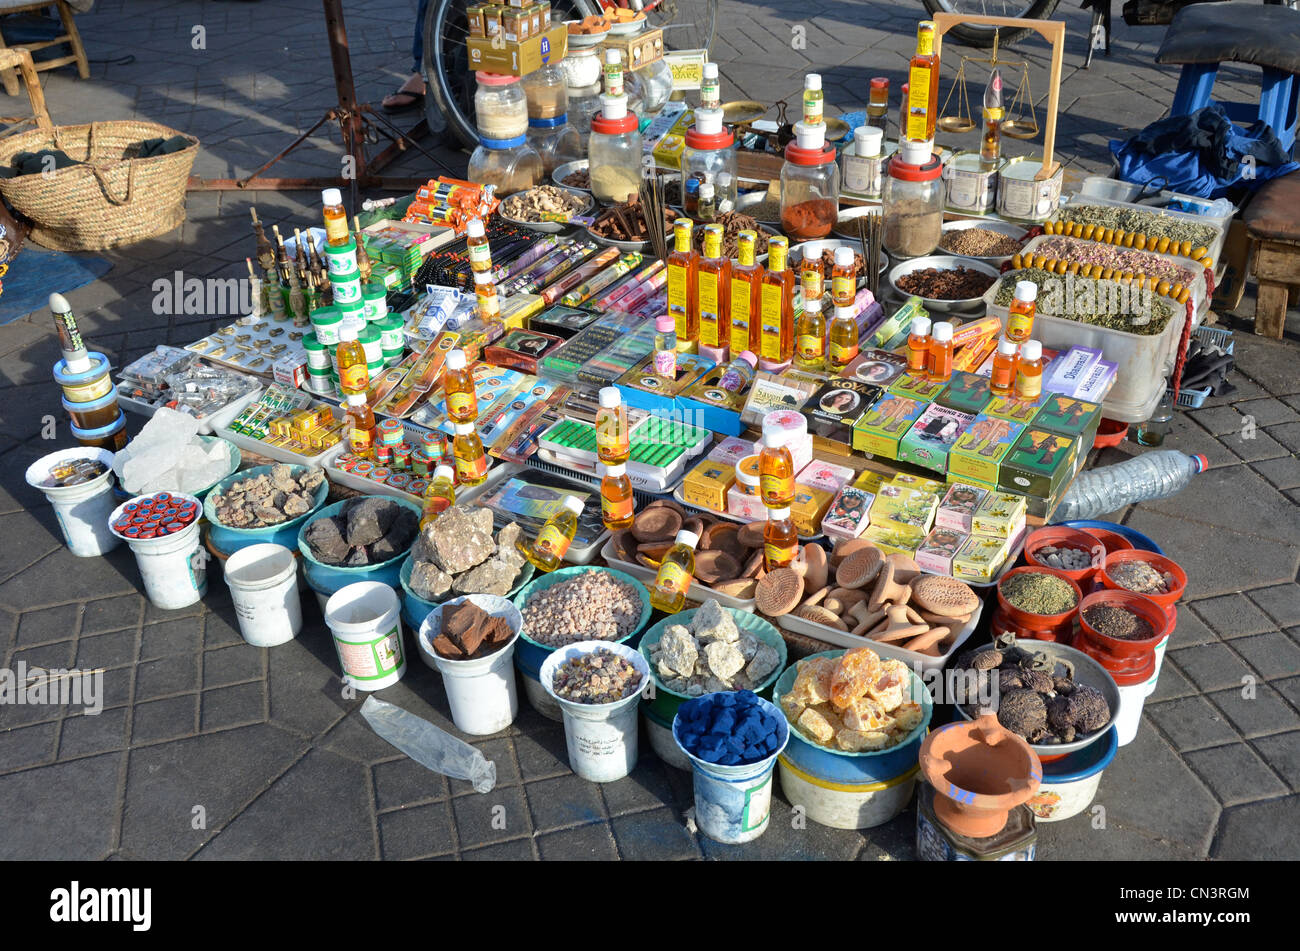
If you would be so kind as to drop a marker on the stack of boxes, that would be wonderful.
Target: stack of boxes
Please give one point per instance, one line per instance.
(515, 38)
(282, 418)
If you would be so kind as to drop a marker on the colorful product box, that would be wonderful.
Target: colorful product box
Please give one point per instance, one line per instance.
(642, 377)
(521, 350)
(1070, 369)
(870, 480)
(1039, 463)
(904, 509)
(731, 450)
(980, 558)
(849, 513)
(931, 437)
(706, 390)
(820, 474)
(1098, 382)
(1013, 409)
(833, 410)
(892, 541)
(938, 550)
(561, 321)
(743, 501)
(916, 387)
(957, 510)
(980, 449)
(708, 483)
(907, 480)
(999, 514)
(771, 392)
(879, 430)
(808, 508)
(966, 393)
(877, 367)
(1067, 416)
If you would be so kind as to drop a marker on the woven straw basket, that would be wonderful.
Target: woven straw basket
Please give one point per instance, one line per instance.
(114, 199)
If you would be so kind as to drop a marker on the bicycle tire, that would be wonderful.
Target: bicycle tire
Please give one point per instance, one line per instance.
(697, 32)
(449, 103)
(982, 36)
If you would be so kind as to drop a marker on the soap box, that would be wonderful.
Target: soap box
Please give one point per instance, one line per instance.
(1070, 369)
(808, 508)
(1013, 409)
(999, 514)
(744, 502)
(907, 480)
(561, 321)
(892, 541)
(1038, 463)
(916, 387)
(877, 367)
(849, 513)
(820, 474)
(1067, 416)
(932, 435)
(966, 393)
(937, 551)
(1098, 382)
(731, 450)
(881, 427)
(521, 350)
(957, 510)
(979, 558)
(980, 449)
(770, 392)
(642, 377)
(707, 484)
(906, 509)
(833, 410)
(870, 480)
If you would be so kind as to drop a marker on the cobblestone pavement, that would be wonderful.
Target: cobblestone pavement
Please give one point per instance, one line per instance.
(283, 767)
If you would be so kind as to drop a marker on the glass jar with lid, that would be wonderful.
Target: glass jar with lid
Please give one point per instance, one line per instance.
(810, 184)
(582, 67)
(653, 84)
(614, 152)
(547, 92)
(911, 198)
(710, 154)
(584, 105)
(556, 142)
(500, 107)
(512, 165)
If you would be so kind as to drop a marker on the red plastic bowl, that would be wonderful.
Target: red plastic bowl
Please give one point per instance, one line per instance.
(1043, 627)
(1113, 541)
(1111, 432)
(1159, 562)
(1064, 537)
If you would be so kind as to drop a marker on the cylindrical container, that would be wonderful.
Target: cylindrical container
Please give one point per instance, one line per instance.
(545, 90)
(1132, 695)
(1117, 655)
(354, 315)
(912, 196)
(601, 737)
(341, 259)
(1159, 562)
(1039, 627)
(113, 436)
(614, 152)
(367, 631)
(263, 582)
(734, 803)
(511, 165)
(318, 354)
(557, 142)
(1059, 536)
(392, 335)
(326, 579)
(374, 299)
(971, 189)
(500, 106)
(1070, 783)
(319, 381)
(173, 577)
(810, 184)
(83, 511)
(96, 414)
(709, 155)
(325, 322)
(376, 366)
(393, 357)
(347, 290)
(584, 105)
(1111, 541)
(371, 342)
(653, 84)
(230, 538)
(481, 691)
(862, 163)
(1022, 196)
(846, 805)
(87, 385)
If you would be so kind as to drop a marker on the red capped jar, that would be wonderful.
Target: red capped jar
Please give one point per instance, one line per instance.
(911, 201)
(810, 185)
(709, 156)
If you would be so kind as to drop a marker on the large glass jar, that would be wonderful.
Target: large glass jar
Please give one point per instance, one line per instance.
(512, 165)
(614, 152)
(810, 184)
(547, 91)
(500, 107)
(911, 199)
(582, 68)
(584, 105)
(556, 142)
(709, 156)
(654, 84)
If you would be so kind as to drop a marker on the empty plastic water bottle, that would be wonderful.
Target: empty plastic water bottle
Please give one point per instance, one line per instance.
(1152, 475)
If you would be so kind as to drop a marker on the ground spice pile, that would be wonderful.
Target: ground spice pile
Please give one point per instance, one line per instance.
(1039, 593)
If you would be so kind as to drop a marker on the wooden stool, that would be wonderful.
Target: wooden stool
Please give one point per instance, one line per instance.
(1274, 230)
(17, 62)
(70, 36)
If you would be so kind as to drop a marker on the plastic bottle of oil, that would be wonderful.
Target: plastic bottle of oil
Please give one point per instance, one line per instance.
(1029, 371)
(713, 280)
(813, 99)
(780, 539)
(939, 368)
(676, 572)
(811, 280)
(918, 346)
(467, 452)
(1002, 381)
(776, 305)
(439, 495)
(612, 441)
(458, 389)
(666, 347)
(1020, 315)
(361, 433)
(616, 503)
(844, 339)
(775, 470)
(485, 290)
(844, 278)
(336, 218)
(476, 245)
(810, 336)
(354, 374)
(553, 541)
(746, 282)
(683, 304)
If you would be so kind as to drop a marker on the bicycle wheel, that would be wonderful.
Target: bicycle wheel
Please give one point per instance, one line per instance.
(449, 106)
(687, 24)
(982, 36)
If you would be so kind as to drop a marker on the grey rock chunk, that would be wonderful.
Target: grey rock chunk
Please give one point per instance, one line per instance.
(494, 576)
(430, 582)
(397, 539)
(368, 519)
(456, 541)
(506, 550)
(357, 558)
(325, 539)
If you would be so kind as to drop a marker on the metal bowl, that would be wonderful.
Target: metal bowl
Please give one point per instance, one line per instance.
(554, 227)
(846, 225)
(642, 246)
(749, 200)
(580, 41)
(1001, 227)
(942, 262)
(829, 244)
(568, 168)
(1086, 671)
(627, 27)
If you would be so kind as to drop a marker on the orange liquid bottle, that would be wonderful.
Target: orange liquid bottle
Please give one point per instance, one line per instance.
(746, 282)
(939, 368)
(811, 280)
(476, 242)
(683, 304)
(810, 336)
(612, 441)
(467, 453)
(780, 540)
(1002, 381)
(776, 305)
(440, 494)
(361, 425)
(713, 280)
(844, 278)
(354, 374)
(1020, 316)
(336, 218)
(918, 346)
(844, 339)
(1029, 372)
(458, 389)
(485, 289)
(616, 501)
(775, 471)
(922, 97)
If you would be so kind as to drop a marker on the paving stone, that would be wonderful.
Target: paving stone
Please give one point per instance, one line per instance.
(1235, 499)
(658, 835)
(404, 782)
(563, 802)
(305, 695)
(1190, 723)
(163, 719)
(1212, 666)
(220, 630)
(1255, 561)
(1281, 603)
(45, 582)
(106, 650)
(1283, 472)
(646, 787)
(1259, 831)
(111, 614)
(166, 676)
(1172, 684)
(153, 614)
(231, 665)
(1257, 711)
(318, 810)
(1233, 615)
(417, 831)
(48, 626)
(1235, 774)
(46, 657)
(83, 735)
(224, 707)
(541, 748)
(516, 850)
(28, 745)
(81, 795)
(1274, 655)
(179, 636)
(1281, 751)
(491, 817)
(1218, 420)
(1288, 434)
(592, 842)
(1186, 436)
(1266, 412)
(1254, 445)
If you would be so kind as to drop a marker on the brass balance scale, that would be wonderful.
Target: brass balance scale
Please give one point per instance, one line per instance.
(1022, 122)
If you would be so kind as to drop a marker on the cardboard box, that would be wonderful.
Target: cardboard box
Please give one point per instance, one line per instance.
(880, 428)
(642, 379)
(561, 321)
(932, 435)
(718, 409)
(870, 480)
(707, 485)
(770, 392)
(516, 25)
(1070, 369)
(891, 541)
(668, 150)
(639, 49)
(1013, 409)
(979, 450)
(834, 408)
(808, 508)
(936, 552)
(957, 509)
(915, 387)
(521, 350)
(820, 474)
(743, 502)
(849, 513)
(999, 514)
(731, 450)
(1039, 463)
(490, 54)
(980, 558)
(687, 67)
(966, 393)
(877, 367)
(909, 481)
(1069, 417)
(904, 509)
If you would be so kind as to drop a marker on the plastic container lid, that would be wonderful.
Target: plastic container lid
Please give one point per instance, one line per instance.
(690, 539)
(610, 397)
(106, 400)
(65, 377)
(573, 504)
(926, 168)
(710, 71)
(102, 431)
(708, 131)
(775, 515)
(749, 357)
(613, 107)
(1007, 347)
(552, 123)
(813, 304)
(867, 140)
(811, 137)
(706, 189)
(665, 323)
(356, 399)
(921, 326)
(475, 228)
(328, 316)
(456, 359)
(495, 79)
(880, 82)
(613, 118)
(464, 429)
(743, 475)
(1031, 350)
(812, 81)
(332, 196)
(942, 331)
(498, 145)
(1026, 291)
(444, 472)
(844, 256)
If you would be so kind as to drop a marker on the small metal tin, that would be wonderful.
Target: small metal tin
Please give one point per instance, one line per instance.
(970, 189)
(1024, 198)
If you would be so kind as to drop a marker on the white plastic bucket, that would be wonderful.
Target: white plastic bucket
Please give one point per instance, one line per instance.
(482, 691)
(364, 619)
(1131, 699)
(601, 737)
(83, 511)
(263, 582)
(844, 805)
(173, 577)
(734, 803)
(1160, 661)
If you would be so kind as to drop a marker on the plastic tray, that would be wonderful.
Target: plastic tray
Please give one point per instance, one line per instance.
(499, 471)
(645, 478)
(838, 638)
(576, 555)
(1194, 398)
(1220, 224)
(209, 424)
(249, 444)
(677, 497)
(697, 592)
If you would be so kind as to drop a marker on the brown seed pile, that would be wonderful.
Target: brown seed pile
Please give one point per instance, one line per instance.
(592, 606)
(959, 283)
(979, 243)
(1118, 623)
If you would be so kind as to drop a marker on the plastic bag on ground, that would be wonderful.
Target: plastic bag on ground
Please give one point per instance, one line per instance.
(430, 746)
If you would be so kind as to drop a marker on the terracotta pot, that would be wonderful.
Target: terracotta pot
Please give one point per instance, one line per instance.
(1158, 562)
(980, 771)
(1113, 541)
(1039, 627)
(1133, 660)
(1064, 537)
(1110, 432)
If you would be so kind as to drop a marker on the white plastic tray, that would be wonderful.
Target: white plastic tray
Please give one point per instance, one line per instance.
(645, 478)
(838, 638)
(696, 592)
(677, 495)
(208, 424)
(496, 473)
